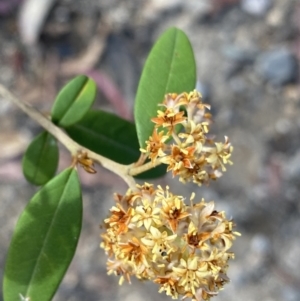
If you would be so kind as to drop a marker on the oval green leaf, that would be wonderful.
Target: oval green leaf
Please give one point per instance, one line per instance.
(112, 137)
(41, 159)
(73, 101)
(170, 68)
(44, 240)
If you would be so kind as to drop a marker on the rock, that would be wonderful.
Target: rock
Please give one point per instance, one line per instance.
(260, 245)
(154, 8)
(277, 66)
(256, 7)
(238, 54)
(291, 168)
(238, 85)
(159, 6)
(290, 293)
(284, 126)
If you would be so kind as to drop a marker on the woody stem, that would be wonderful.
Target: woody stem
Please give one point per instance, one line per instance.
(74, 148)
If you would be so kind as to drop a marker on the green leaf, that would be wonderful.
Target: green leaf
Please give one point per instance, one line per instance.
(44, 240)
(41, 159)
(170, 68)
(73, 101)
(112, 137)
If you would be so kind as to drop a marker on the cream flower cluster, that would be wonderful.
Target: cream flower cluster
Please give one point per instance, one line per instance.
(193, 156)
(152, 234)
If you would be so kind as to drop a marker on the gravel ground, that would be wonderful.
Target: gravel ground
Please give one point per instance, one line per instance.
(247, 56)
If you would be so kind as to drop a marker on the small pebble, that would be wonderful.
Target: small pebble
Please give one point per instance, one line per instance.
(260, 244)
(256, 7)
(239, 54)
(279, 66)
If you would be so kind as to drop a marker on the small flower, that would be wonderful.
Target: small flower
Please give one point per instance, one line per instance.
(109, 242)
(180, 159)
(173, 211)
(146, 215)
(170, 285)
(173, 208)
(155, 146)
(146, 190)
(195, 239)
(196, 172)
(133, 251)
(168, 119)
(220, 155)
(174, 101)
(120, 218)
(158, 242)
(195, 108)
(190, 272)
(119, 268)
(195, 134)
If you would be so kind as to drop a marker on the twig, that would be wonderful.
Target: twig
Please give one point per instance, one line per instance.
(71, 145)
(135, 170)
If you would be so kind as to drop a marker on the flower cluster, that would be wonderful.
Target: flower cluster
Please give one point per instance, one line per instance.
(194, 156)
(152, 234)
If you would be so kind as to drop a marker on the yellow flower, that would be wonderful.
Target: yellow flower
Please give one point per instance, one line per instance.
(191, 272)
(194, 155)
(195, 134)
(170, 285)
(196, 239)
(151, 233)
(183, 248)
(109, 242)
(180, 159)
(220, 155)
(119, 268)
(168, 119)
(197, 173)
(158, 242)
(133, 251)
(174, 101)
(155, 146)
(173, 208)
(119, 218)
(146, 215)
